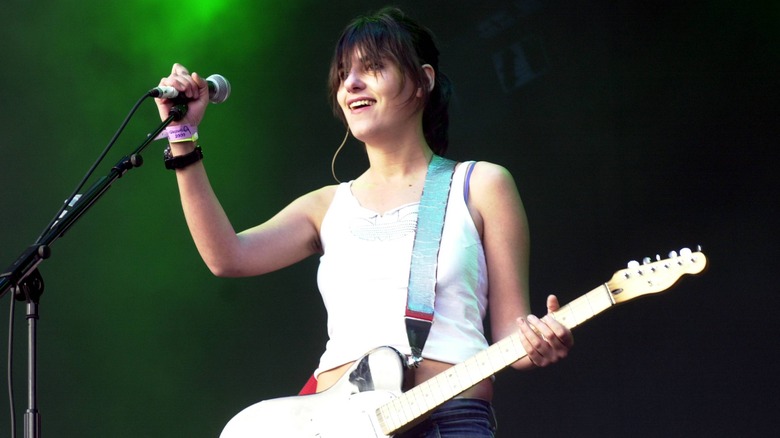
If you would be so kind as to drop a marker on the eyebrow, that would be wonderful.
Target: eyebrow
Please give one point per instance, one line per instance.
(362, 60)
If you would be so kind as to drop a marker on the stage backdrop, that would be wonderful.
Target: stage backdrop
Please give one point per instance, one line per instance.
(631, 131)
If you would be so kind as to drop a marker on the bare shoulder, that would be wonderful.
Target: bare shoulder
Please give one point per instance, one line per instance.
(493, 196)
(306, 210)
(316, 202)
(490, 181)
(322, 197)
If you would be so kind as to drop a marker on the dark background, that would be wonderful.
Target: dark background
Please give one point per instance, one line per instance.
(631, 130)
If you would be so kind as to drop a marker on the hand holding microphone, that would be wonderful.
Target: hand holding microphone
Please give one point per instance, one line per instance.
(181, 86)
(219, 90)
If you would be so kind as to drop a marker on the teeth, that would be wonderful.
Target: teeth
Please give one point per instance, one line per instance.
(361, 103)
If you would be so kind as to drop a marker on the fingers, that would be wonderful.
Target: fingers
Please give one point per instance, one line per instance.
(534, 342)
(561, 332)
(545, 340)
(179, 69)
(190, 85)
(552, 304)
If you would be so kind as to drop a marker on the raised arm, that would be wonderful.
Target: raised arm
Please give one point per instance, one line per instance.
(286, 238)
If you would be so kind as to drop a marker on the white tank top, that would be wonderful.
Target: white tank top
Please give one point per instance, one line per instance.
(364, 274)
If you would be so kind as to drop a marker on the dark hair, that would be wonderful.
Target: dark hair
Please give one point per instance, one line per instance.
(390, 34)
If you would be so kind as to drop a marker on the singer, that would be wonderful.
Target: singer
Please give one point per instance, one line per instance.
(387, 88)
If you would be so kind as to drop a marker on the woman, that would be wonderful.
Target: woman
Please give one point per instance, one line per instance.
(386, 86)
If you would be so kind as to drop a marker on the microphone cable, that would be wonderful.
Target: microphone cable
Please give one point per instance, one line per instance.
(91, 170)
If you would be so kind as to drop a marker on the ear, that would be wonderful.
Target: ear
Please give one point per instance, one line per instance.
(430, 73)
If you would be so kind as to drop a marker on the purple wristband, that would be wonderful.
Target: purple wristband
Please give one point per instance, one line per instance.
(179, 133)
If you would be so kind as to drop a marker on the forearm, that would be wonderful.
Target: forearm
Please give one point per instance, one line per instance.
(212, 232)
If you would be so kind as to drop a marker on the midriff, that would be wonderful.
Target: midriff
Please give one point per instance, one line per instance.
(427, 369)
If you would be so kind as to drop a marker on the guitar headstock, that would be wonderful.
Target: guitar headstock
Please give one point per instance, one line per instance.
(654, 276)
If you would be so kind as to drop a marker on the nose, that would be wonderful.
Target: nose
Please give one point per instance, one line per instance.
(353, 81)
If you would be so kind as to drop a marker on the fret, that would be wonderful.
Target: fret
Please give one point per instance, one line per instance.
(424, 397)
(461, 376)
(473, 370)
(386, 418)
(406, 410)
(580, 308)
(584, 307)
(505, 349)
(396, 413)
(564, 316)
(600, 299)
(437, 394)
(485, 364)
(400, 415)
(478, 369)
(412, 408)
(517, 350)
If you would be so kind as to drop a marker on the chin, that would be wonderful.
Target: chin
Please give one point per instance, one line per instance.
(360, 133)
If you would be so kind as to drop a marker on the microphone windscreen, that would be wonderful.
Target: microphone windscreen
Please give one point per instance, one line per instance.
(219, 88)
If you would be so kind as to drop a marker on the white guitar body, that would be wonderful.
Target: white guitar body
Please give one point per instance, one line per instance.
(345, 410)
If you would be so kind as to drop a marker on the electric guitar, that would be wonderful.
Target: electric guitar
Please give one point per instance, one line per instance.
(368, 400)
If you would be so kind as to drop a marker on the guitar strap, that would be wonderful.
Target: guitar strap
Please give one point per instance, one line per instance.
(425, 254)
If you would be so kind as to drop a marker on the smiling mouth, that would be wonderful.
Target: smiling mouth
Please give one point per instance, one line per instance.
(361, 104)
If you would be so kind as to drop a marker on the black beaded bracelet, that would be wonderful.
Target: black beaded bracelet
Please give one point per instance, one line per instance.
(181, 161)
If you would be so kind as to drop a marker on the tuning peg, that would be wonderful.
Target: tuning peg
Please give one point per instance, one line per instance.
(672, 254)
(633, 264)
(658, 257)
(685, 252)
(646, 261)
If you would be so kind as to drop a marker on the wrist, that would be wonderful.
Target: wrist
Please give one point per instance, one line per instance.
(180, 161)
(175, 149)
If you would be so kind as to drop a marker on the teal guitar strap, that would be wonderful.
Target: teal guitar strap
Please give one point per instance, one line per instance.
(425, 254)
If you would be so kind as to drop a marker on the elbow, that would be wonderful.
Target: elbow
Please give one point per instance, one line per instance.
(229, 268)
(223, 261)
(222, 268)
(220, 271)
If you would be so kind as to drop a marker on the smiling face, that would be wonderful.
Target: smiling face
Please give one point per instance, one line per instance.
(377, 99)
(401, 52)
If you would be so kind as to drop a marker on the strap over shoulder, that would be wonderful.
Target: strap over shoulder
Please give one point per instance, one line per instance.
(425, 253)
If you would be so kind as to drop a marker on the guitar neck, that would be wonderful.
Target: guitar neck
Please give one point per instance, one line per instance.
(424, 398)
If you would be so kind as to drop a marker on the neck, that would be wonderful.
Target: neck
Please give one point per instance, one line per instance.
(397, 162)
(399, 155)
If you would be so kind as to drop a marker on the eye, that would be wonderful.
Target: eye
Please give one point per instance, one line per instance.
(341, 72)
(373, 66)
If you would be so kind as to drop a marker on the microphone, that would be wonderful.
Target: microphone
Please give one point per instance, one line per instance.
(219, 90)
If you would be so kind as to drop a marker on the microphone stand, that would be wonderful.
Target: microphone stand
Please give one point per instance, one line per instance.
(25, 280)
